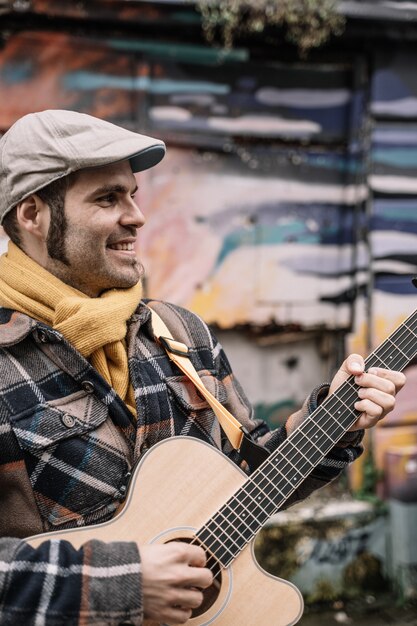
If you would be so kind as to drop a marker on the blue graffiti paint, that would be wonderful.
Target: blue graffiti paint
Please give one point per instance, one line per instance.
(397, 157)
(391, 283)
(396, 209)
(387, 85)
(88, 81)
(337, 162)
(186, 53)
(266, 234)
(17, 72)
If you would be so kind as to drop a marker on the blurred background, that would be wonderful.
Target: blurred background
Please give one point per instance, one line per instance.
(285, 214)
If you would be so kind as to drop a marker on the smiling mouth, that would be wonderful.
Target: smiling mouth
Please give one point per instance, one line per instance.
(127, 247)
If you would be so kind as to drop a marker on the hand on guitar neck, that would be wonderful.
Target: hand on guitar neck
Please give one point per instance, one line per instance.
(378, 387)
(172, 576)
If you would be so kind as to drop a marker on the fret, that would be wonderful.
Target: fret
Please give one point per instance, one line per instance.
(260, 495)
(342, 411)
(264, 479)
(238, 518)
(334, 424)
(315, 436)
(209, 539)
(243, 510)
(233, 517)
(353, 390)
(407, 350)
(296, 451)
(410, 329)
(383, 362)
(284, 481)
(315, 426)
(393, 356)
(247, 517)
(236, 527)
(319, 432)
(378, 362)
(374, 361)
(296, 473)
(295, 459)
(237, 541)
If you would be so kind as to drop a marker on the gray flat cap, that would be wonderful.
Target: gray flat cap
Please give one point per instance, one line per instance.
(42, 147)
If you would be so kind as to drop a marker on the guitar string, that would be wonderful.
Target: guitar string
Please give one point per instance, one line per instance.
(252, 518)
(382, 347)
(299, 451)
(230, 549)
(272, 469)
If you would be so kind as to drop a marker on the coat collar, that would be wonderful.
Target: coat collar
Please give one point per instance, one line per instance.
(14, 327)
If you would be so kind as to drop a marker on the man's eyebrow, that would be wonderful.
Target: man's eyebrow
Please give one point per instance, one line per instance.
(106, 189)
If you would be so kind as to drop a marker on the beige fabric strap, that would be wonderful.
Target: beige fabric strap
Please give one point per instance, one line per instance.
(178, 353)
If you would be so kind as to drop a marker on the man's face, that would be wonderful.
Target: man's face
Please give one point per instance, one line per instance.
(102, 218)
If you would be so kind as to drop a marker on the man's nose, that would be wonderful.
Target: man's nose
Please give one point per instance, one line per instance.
(132, 215)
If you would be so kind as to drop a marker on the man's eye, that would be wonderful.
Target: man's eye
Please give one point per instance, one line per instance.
(108, 199)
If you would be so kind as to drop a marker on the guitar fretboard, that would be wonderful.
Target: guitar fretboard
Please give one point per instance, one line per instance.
(270, 486)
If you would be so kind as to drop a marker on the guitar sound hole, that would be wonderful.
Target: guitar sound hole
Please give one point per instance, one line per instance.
(210, 594)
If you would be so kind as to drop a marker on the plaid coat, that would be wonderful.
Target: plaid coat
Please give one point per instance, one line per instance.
(67, 446)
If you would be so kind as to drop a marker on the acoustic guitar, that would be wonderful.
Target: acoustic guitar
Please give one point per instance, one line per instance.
(184, 489)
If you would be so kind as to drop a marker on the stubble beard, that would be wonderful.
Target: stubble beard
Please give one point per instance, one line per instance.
(56, 247)
(55, 241)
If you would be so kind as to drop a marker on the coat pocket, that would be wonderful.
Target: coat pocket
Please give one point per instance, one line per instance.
(73, 460)
(197, 417)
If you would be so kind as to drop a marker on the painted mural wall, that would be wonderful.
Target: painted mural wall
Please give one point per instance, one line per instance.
(270, 217)
(393, 238)
(287, 190)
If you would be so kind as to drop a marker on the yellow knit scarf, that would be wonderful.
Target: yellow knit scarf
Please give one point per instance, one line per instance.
(96, 327)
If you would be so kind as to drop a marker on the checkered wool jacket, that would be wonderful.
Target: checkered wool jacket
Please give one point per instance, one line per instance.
(67, 446)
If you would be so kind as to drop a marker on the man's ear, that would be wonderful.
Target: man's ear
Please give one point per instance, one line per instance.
(33, 216)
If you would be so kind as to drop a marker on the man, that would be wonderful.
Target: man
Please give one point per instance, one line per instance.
(86, 390)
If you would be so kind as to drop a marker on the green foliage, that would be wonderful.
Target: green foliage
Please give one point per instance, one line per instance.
(324, 591)
(276, 549)
(307, 23)
(364, 574)
(371, 477)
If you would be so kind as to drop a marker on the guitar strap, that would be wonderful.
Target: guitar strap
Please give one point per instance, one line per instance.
(239, 437)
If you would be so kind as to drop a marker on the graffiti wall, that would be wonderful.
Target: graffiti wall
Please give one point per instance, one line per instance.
(269, 219)
(393, 235)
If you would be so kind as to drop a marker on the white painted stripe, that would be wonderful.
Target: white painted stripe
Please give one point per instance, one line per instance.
(237, 190)
(401, 184)
(264, 125)
(303, 98)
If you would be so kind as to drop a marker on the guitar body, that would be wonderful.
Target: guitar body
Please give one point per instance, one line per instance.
(178, 485)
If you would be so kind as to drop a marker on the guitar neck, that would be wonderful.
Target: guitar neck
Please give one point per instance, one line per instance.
(270, 486)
